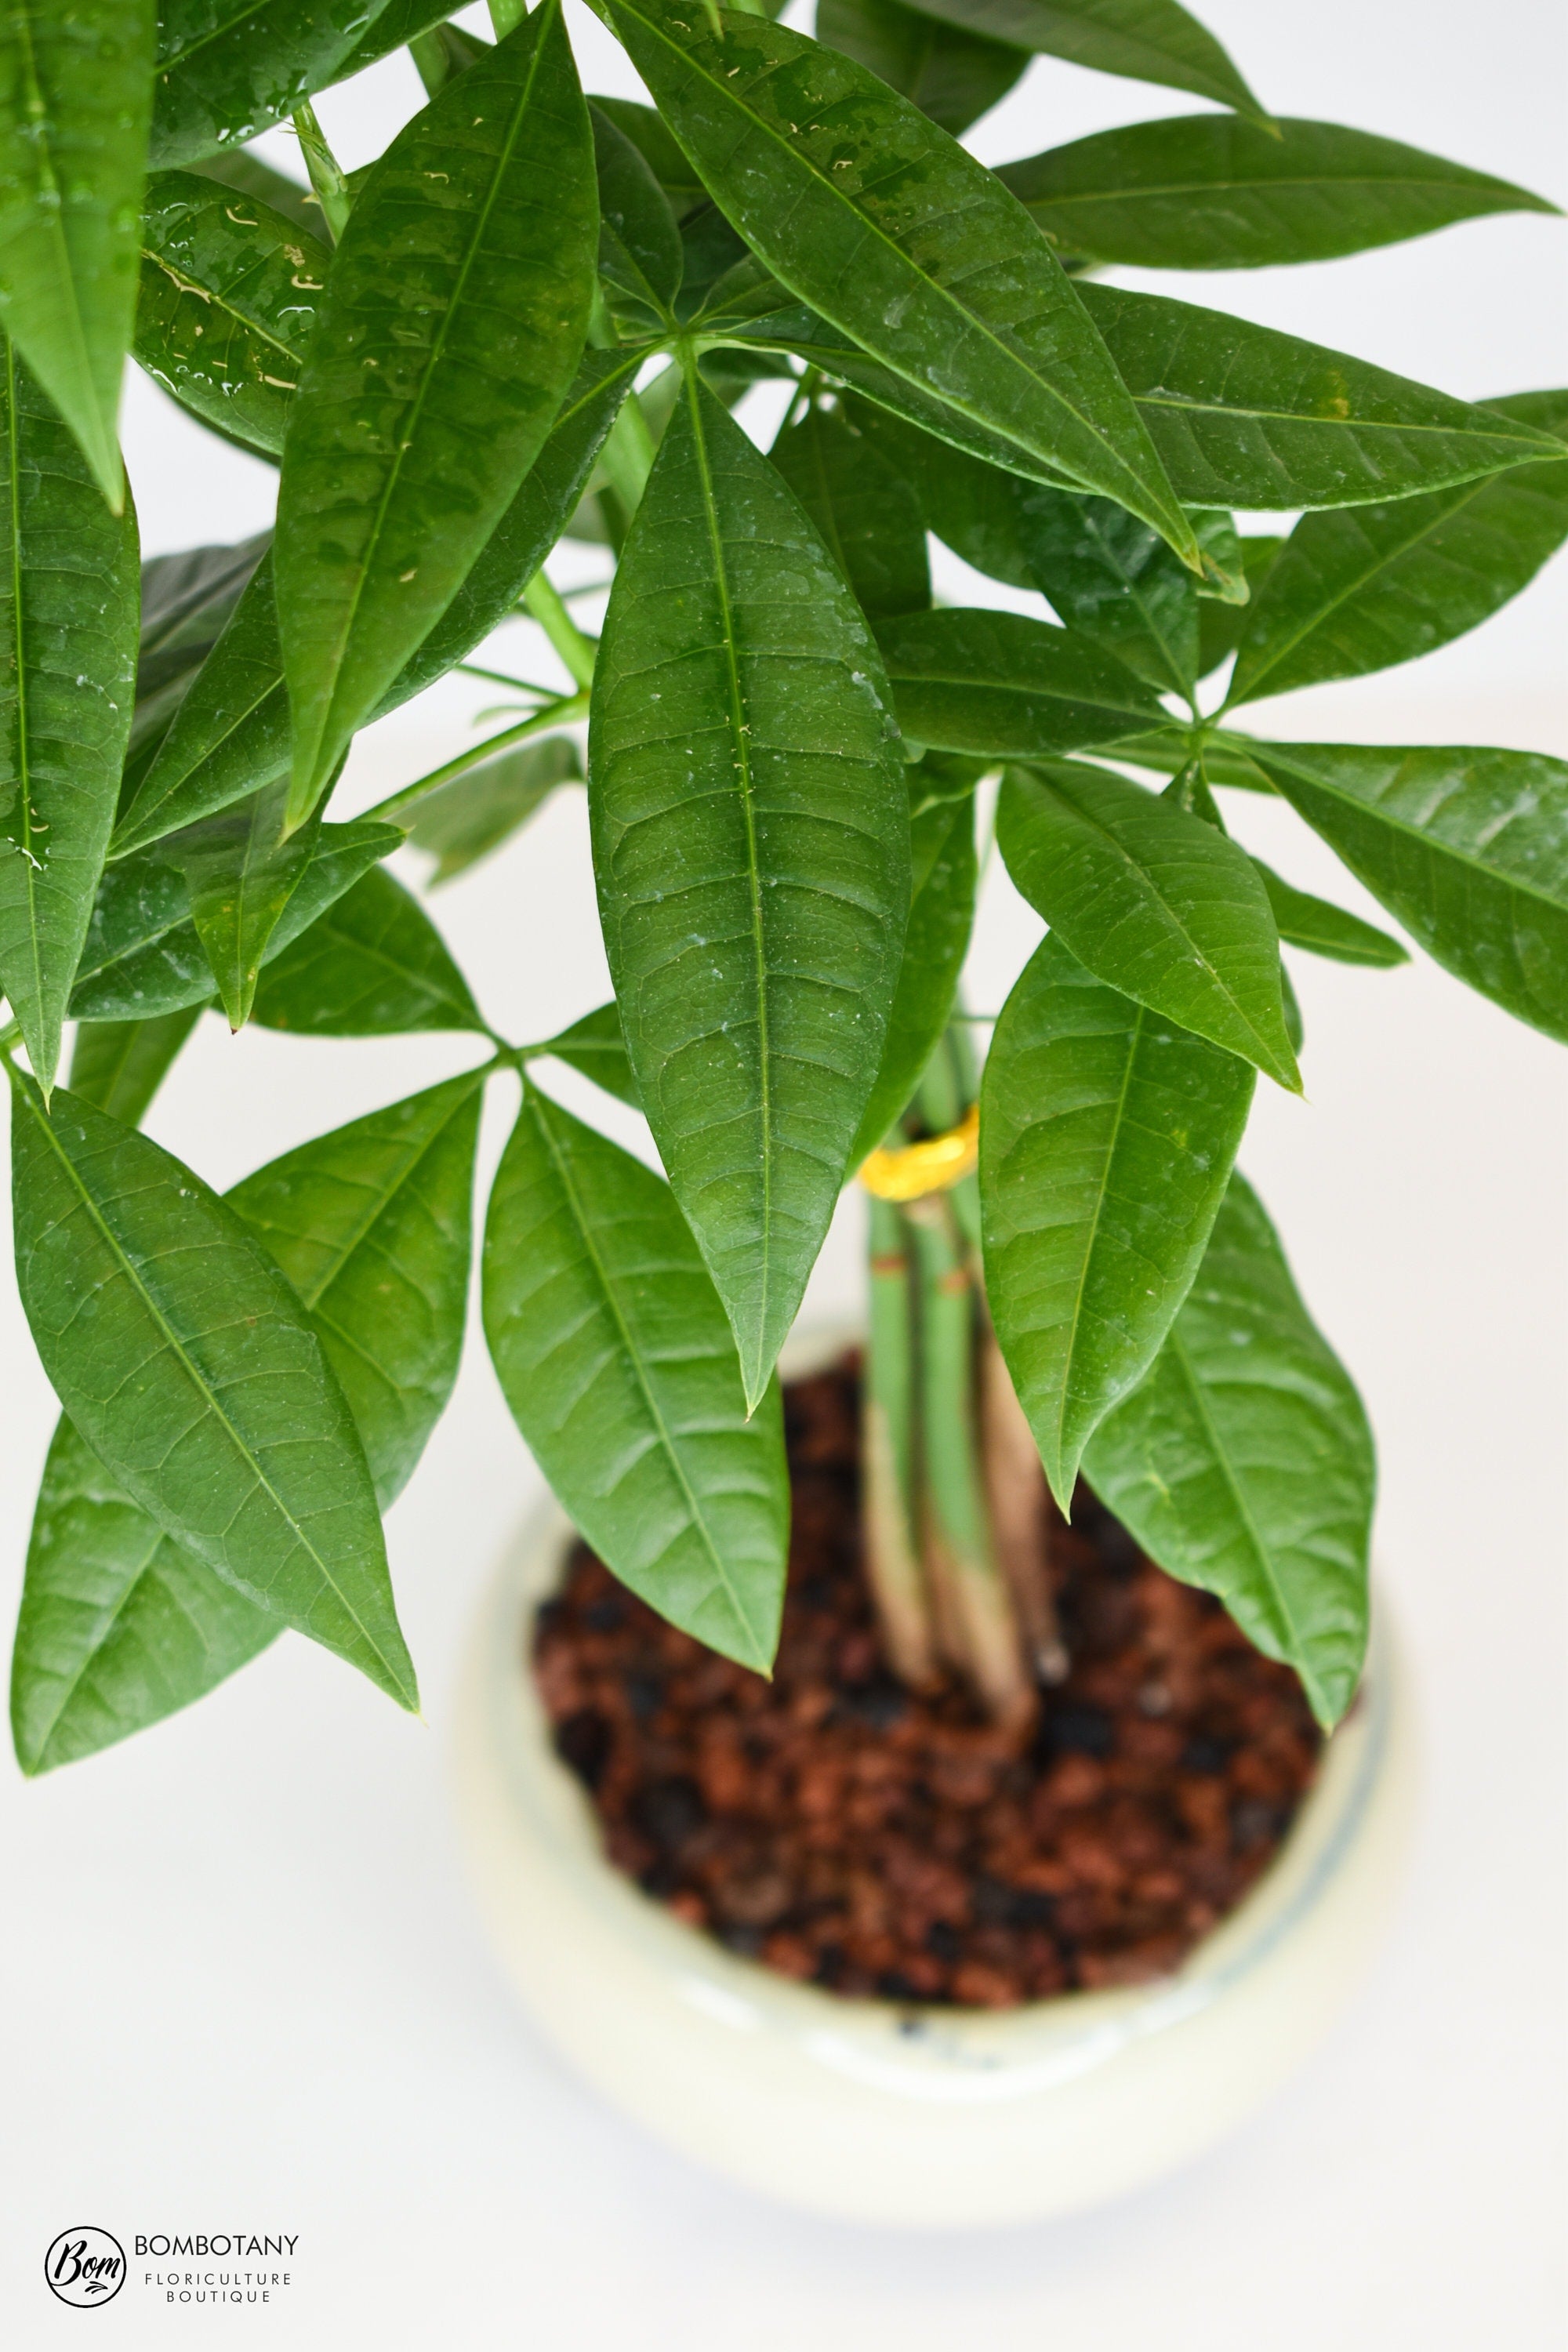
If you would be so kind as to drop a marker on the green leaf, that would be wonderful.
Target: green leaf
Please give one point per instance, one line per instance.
(951, 74)
(1467, 848)
(942, 916)
(1303, 921)
(1373, 585)
(931, 266)
(997, 682)
(230, 734)
(1220, 626)
(596, 1046)
(228, 297)
(1113, 579)
(119, 1065)
(118, 1626)
(372, 1225)
(659, 151)
(373, 966)
(465, 274)
(242, 170)
(1243, 417)
(970, 505)
(1107, 1135)
(867, 518)
(639, 244)
(1227, 756)
(241, 870)
(1155, 903)
(1209, 192)
(142, 955)
(751, 842)
(186, 601)
(75, 100)
(187, 1363)
(1145, 40)
(797, 329)
(68, 579)
(460, 822)
(1244, 1463)
(614, 1353)
(226, 72)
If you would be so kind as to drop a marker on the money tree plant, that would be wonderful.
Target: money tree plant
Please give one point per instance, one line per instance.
(534, 318)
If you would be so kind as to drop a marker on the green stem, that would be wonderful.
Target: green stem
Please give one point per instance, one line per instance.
(543, 604)
(430, 61)
(506, 16)
(893, 1557)
(326, 173)
(569, 706)
(628, 454)
(959, 1555)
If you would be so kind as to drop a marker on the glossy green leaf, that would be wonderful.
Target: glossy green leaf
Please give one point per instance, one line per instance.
(952, 75)
(1113, 580)
(1154, 902)
(1209, 192)
(866, 516)
(997, 682)
(372, 1225)
(68, 582)
(931, 266)
(942, 916)
(75, 101)
(970, 505)
(119, 1065)
(639, 244)
(241, 870)
(659, 151)
(186, 602)
(1145, 40)
(227, 71)
(228, 297)
(1243, 1462)
(1107, 1136)
(465, 274)
(614, 1353)
(142, 957)
(373, 966)
(243, 171)
(230, 734)
(1220, 626)
(460, 822)
(1227, 758)
(1246, 417)
(120, 1625)
(188, 1364)
(1373, 585)
(1304, 921)
(1467, 848)
(751, 844)
(233, 734)
(596, 1046)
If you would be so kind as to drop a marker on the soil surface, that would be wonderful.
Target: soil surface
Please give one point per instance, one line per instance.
(847, 1833)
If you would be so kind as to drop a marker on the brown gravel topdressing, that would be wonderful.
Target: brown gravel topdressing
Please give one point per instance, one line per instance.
(843, 1832)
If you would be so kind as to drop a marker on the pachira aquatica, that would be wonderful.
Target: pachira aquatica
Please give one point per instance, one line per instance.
(542, 316)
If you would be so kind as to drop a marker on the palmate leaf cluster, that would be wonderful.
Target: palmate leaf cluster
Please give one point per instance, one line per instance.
(533, 317)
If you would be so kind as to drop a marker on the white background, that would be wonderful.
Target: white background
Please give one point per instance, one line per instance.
(244, 1989)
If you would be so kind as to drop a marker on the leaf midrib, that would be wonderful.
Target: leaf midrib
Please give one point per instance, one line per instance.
(634, 1357)
(176, 1348)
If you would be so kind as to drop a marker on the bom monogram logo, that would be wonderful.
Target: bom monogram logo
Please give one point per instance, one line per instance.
(85, 2267)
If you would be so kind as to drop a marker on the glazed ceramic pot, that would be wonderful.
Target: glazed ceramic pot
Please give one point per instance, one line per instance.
(875, 2111)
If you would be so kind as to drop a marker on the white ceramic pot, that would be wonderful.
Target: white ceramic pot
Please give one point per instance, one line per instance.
(873, 2111)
